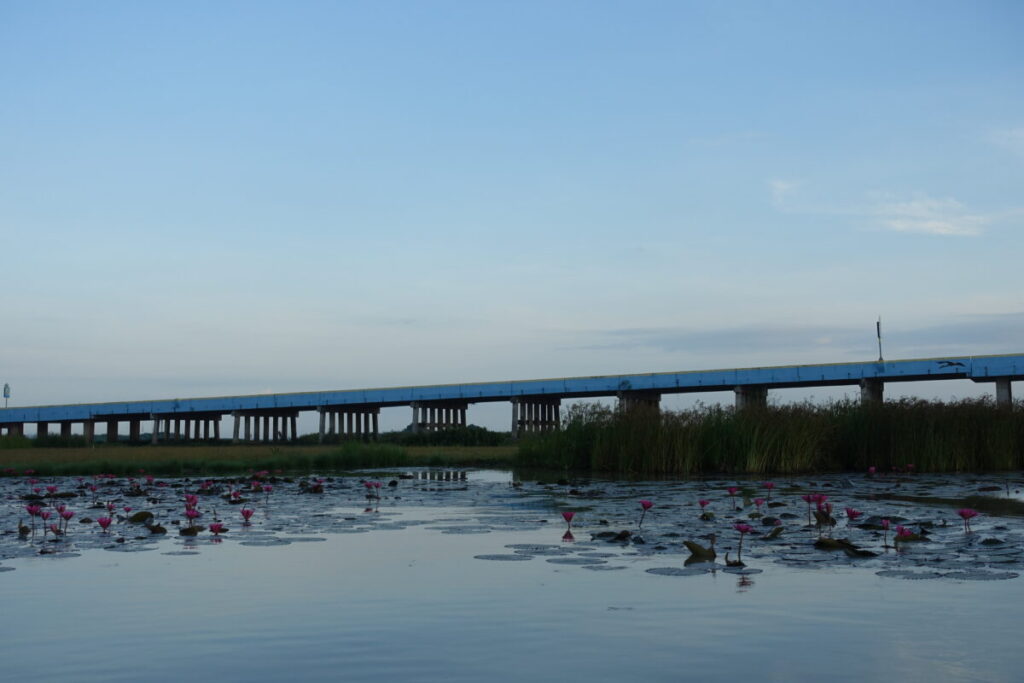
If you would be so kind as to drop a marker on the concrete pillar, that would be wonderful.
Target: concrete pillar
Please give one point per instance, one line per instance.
(154, 436)
(89, 430)
(376, 415)
(42, 429)
(206, 429)
(266, 427)
(177, 429)
(628, 400)
(751, 397)
(236, 427)
(16, 429)
(295, 427)
(111, 431)
(65, 429)
(216, 428)
(1004, 394)
(323, 423)
(515, 418)
(871, 390)
(134, 430)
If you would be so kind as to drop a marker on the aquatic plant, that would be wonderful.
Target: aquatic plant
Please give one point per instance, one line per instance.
(217, 528)
(66, 515)
(744, 529)
(247, 515)
(104, 522)
(852, 514)
(967, 514)
(646, 505)
(885, 533)
(732, 496)
(567, 516)
(768, 485)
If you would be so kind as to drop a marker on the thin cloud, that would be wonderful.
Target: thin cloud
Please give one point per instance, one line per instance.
(1010, 138)
(781, 190)
(928, 215)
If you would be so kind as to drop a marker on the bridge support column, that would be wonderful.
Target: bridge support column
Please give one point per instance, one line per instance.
(535, 414)
(751, 397)
(65, 429)
(42, 429)
(435, 416)
(89, 430)
(112, 431)
(630, 400)
(323, 423)
(871, 390)
(1004, 394)
(155, 436)
(134, 430)
(236, 427)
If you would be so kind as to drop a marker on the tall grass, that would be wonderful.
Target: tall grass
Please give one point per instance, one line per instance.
(969, 435)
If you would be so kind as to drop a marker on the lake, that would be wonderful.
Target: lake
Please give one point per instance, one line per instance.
(461, 576)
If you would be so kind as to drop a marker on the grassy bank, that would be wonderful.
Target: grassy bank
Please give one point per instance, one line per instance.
(971, 435)
(226, 459)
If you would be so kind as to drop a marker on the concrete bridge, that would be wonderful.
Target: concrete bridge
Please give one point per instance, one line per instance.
(535, 403)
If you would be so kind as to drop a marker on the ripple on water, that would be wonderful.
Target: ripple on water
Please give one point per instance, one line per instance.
(504, 558)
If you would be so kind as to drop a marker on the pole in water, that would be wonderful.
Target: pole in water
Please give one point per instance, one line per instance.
(878, 333)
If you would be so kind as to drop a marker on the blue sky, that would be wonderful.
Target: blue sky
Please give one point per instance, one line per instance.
(213, 198)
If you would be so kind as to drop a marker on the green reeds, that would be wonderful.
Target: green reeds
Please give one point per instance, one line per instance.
(969, 435)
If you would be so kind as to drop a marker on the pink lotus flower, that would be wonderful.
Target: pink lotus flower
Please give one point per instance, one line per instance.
(191, 499)
(967, 514)
(104, 522)
(885, 524)
(871, 471)
(903, 532)
(758, 502)
(55, 529)
(703, 503)
(127, 509)
(247, 514)
(646, 505)
(33, 510)
(67, 514)
(51, 489)
(768, 485)
(45, 514)
(216, 528)
(744, 529)
(567, 516)
(852, 514)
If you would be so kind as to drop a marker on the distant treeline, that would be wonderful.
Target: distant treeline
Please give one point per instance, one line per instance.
(932, 436)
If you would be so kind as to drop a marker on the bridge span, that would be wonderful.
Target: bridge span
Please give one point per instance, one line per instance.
(535, 403)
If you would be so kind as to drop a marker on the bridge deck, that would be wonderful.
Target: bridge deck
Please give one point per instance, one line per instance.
(976, 368)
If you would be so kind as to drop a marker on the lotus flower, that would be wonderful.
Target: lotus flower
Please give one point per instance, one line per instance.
(216, 528)
(768, 485)
(967, 514)
(646, 505)
(104, 522)
(567, 516)
(852, 514)
(247, 514)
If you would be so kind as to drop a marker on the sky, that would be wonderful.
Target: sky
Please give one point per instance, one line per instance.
(202, 199)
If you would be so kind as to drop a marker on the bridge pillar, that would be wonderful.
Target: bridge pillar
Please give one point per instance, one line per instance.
(871, 390)
(112, 431)
(65, 429)
(155, 436)
(535, 414)
(751, 397)
(630, 400)
(1004, 394)
(134, 430)
(435, 416)
(42, 429)
(88, 430)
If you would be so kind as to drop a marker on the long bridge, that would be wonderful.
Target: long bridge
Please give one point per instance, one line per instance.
(535, 403)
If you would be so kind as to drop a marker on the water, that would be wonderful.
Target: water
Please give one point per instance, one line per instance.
(397, 593)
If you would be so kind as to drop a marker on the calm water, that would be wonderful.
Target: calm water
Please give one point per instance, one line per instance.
(397, 593)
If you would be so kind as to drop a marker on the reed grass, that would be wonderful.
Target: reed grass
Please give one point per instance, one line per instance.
(197, 460)
(969, 435)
